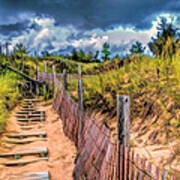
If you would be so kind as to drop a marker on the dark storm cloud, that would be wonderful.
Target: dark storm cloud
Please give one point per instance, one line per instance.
(13, 29)
(89, 14)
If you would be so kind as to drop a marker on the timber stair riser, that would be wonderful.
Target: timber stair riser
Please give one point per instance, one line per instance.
(31, 116)
(41, 134)
(29, 112)
(39, 151)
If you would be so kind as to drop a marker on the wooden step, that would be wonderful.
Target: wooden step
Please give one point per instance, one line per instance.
(28, 104)
(23, 162)
(29, 112)
(42, 151)
(28, 123)
(26, 141)
(32, 100)
(32, 120)
(26, 127)
(27, 109)
(38, 134)
(30, 116)
(33, 176)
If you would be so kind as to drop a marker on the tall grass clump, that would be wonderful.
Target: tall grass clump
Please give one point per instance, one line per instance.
(9, 97)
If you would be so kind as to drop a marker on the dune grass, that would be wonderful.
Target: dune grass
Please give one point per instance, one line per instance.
(148, 81)
(9, 97)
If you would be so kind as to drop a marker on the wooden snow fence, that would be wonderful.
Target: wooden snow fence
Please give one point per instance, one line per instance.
(98, 158)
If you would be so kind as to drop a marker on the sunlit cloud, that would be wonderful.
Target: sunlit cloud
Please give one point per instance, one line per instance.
(42, 33)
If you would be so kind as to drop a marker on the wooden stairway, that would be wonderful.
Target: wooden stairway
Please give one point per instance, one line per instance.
(27, 118)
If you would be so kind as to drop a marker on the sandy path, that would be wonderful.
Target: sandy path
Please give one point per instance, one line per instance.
(61, 150)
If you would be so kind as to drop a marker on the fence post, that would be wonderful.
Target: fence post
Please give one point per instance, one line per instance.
(80, 105)
(54, 77)
(123, 112)
(37, 89)
(31, 87)
(45, 67)
(37, 78)
(7, 51)
(65, 79)
(44, 85)
(37, 69)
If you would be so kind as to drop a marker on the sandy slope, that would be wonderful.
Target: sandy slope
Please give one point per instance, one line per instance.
(61, 150)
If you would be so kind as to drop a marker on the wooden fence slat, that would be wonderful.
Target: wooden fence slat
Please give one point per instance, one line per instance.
(164, 175)
(126, 159)
(157, 174)
(143, 162)
(131, 165)
(136, 167)
(96, 154)
(173, 178)
(149, 171)
(121, 162)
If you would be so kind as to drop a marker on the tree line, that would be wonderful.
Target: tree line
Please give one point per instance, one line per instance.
(163, 46)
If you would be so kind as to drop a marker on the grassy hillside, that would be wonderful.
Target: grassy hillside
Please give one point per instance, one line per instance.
(9, 97)
(155, 97)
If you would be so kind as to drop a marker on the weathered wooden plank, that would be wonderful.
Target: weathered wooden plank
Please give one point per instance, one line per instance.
(149, 168)
(29, 112)
(131, 164)
(29, 116)
(31, 151)
(26, 127)
(32, 100)
(136, 167)
(28, 104)
(31, 120)
(39, 134)
(121, 156)
(126, 159)
(164, 175)
(123, 114)
(143, 162)
(26, 141)
(23, 162)
(33, 176)
(157, 174)
(27, 109)
(173, 178)
(23, 75)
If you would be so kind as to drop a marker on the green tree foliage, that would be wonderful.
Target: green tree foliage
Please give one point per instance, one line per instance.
(81, 55)
(106, 51)
(20, 49)
(74, 54)
(137, 48)
(45, 53)
(96, 56)
(164, 45)
(89, 56)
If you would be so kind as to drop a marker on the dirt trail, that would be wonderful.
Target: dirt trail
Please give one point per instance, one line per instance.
(61, 151)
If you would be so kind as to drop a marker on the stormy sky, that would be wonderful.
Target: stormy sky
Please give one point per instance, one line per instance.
(60, 25)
